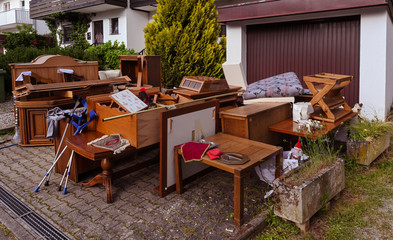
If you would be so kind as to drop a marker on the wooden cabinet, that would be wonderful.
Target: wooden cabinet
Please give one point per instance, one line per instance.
(252, 121)
(32, 119)
(151, 68)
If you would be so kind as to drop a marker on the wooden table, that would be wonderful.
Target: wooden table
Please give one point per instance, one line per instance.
(78, 144)
(292, 128)
(256, 151)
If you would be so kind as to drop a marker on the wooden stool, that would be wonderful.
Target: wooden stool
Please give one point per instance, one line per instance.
(327, 100)
(78, 144)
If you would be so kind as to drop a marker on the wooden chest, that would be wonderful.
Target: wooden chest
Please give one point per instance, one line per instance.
(252, 121)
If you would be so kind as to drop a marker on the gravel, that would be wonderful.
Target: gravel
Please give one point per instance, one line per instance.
(7, 114)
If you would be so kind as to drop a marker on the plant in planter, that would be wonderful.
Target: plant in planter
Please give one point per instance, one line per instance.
(368, 139)
(300, 193)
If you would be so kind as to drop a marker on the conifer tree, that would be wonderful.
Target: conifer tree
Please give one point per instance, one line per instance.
(185, 34)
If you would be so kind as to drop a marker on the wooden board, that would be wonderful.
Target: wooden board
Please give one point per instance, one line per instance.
(29, 88)
(128, 101)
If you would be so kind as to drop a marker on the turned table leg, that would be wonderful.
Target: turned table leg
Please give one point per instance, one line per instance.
(106, 166)
(238, 197)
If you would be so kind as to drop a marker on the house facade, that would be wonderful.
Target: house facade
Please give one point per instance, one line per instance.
(121, 20)
(16, 12)
(351, 37)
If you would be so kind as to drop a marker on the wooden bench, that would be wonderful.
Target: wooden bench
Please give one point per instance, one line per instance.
(78, 144)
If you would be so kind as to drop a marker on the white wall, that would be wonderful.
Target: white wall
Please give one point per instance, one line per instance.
(389, 63)
(136, 22)
(131, 25)
(373, 63)
(105, 17)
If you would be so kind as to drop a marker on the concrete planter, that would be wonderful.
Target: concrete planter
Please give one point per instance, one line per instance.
(366, 152)
(299, 203)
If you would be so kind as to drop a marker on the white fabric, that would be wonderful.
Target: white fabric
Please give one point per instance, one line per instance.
(62, 70)
(20, 77)
(266, 171)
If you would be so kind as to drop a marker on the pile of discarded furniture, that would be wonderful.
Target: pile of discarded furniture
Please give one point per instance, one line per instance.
(139, 115)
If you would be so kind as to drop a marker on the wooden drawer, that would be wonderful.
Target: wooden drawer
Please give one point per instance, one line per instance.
(252, 121)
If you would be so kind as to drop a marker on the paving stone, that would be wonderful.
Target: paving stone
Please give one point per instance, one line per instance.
(138, 212)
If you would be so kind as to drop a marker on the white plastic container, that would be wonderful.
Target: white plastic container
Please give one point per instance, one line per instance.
(302, 111)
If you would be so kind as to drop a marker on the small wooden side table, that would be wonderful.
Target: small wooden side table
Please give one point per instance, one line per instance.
(78, 144)
(290, 127)
(256, 151)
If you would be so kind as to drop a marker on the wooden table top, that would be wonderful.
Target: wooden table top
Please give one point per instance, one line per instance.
(292, 128)
(256, 151)
(251, 109)
(78, 143)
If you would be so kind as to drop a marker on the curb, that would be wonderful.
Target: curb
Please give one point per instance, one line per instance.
(250, 229)
(7, 129)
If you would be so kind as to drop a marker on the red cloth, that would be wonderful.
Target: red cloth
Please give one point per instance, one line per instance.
(193, 151)
(214, 153)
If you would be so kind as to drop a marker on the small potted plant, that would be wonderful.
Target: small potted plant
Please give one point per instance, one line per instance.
(368, 139)
(300, 193)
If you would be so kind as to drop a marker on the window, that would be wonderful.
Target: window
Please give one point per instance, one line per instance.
(67, 34)
(6, 6)
(114, 26)
(22, 4)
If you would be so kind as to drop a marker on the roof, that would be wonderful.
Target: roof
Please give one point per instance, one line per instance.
(274, 8)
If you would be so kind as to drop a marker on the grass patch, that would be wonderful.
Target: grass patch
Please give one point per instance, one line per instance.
(6, 232)
(357, 212)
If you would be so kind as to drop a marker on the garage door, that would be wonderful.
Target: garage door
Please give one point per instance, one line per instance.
(306, 48)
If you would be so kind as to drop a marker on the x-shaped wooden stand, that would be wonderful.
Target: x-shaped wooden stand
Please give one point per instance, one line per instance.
(326, 89)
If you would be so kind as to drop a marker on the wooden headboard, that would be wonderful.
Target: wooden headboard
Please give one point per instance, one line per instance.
(46, 67)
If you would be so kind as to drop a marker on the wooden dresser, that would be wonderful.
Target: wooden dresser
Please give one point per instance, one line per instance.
(252, 121)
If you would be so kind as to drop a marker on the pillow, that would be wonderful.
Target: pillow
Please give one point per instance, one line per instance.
(109, 74)
(282, 85)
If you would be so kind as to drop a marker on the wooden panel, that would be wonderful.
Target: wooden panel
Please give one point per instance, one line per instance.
(46, 66)
(306, 48)
(37, 126)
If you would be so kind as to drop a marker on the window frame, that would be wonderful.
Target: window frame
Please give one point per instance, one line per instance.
(112, 32)
(68, 40)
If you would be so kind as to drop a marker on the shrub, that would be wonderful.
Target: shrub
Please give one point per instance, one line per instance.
(25, 37)
(108, 54)
(185, 35)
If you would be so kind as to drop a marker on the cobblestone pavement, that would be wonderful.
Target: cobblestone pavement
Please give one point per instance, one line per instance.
(204, 211)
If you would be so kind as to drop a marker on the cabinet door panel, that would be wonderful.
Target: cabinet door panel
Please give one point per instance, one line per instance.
(37, 126)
